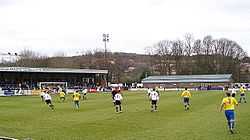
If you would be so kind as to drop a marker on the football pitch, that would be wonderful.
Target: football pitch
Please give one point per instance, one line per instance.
(27, 117)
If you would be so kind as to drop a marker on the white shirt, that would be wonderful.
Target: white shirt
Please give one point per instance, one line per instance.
(47, 96)
(149, 90)
(85, 90)
(118, 97)
(154, 95)
(42, 94)
(233, 91)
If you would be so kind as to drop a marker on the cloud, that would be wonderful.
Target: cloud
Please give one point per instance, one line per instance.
(4, 3)
(48, 26)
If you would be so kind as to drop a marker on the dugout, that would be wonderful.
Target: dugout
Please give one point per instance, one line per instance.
(208, 82)
(26, 77)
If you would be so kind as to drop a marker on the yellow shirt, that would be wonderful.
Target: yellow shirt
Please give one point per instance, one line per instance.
(76, 96)
(186, 94)
(229, 102)
(61, 94)
(242, 90)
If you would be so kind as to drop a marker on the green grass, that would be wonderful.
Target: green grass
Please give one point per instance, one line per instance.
(27, 117)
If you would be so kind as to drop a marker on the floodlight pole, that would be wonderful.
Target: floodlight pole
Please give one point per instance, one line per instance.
(105, 40)
(12, 60)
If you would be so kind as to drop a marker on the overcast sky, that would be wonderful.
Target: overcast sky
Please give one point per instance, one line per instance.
(72, 26)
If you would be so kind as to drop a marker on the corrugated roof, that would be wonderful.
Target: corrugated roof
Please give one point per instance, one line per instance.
(217, 78)
(51, 70)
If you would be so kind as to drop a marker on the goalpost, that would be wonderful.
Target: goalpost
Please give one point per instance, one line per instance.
(53, 85)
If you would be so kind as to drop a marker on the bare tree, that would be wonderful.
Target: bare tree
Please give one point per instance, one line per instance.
(178, 52)
(201, 56)
(188, 43)
(207, 45)
(29, 58)
(163, 51)
(197, 48)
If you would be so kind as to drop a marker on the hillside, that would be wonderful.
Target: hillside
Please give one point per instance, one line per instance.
(131, 67)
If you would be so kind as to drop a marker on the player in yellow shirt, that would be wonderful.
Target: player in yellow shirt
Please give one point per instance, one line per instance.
(76, 99)
(242, 94)
(228, 104)
(62, 96)
(186, 97)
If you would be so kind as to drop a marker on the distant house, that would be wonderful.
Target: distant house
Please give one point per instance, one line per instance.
(130, 69)
(199, 81)
(245, 72)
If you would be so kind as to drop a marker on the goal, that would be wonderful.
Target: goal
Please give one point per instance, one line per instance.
(55, 86)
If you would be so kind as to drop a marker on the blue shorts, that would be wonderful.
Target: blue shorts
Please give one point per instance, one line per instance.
(229, 115)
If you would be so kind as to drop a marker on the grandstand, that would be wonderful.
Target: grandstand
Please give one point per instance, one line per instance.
(191, 81)
(30, 78)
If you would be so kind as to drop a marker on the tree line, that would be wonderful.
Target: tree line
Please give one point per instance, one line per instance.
(197, 56)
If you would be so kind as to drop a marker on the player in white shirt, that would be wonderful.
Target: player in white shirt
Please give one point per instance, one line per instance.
(42, 95)
(84, 94)
(148, 91)
(233, 91)
(154, 97)
(48, 100)
(117, 99)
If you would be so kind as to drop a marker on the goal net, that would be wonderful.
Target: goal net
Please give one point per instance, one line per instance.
(54, 86)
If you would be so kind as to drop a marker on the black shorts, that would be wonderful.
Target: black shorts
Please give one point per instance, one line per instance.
(186, 100)
(117, 102)
(242, 94)
(48, 101)
(154, 102)
(76, 102)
